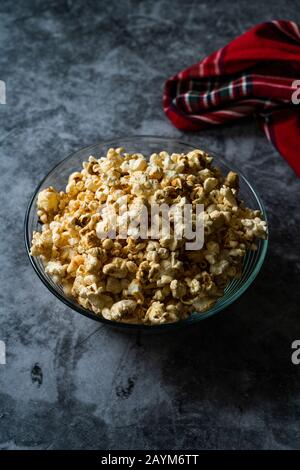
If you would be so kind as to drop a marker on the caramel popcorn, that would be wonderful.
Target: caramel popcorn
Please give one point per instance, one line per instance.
(137, 279)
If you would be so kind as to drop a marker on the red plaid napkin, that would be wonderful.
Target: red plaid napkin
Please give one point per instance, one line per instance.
(253, 74)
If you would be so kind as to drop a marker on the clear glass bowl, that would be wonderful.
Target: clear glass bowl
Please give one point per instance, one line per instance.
(147, 145)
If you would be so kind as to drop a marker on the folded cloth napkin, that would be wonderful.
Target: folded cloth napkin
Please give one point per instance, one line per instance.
(252, 75)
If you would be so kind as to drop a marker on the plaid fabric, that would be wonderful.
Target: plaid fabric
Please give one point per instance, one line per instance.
(252, 75)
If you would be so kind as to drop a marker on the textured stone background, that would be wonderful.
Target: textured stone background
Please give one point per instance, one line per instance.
(78, 72)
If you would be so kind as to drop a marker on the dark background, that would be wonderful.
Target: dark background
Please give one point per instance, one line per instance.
(79, 72)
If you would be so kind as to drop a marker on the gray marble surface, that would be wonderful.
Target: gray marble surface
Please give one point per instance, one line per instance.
(79, 72)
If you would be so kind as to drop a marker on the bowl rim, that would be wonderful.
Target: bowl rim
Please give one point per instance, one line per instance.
(181, 323)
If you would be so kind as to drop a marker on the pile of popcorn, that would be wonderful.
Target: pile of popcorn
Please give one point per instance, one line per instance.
(144, 280)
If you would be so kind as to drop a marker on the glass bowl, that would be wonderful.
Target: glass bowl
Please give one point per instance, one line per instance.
(147, 145)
